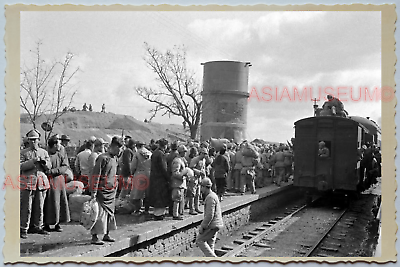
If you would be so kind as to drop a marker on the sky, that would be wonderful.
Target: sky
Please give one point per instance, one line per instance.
(324, 52)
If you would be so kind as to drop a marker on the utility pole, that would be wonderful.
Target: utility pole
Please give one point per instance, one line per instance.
(315, 100)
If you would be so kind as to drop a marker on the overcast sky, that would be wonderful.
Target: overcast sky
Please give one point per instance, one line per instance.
(286, 49)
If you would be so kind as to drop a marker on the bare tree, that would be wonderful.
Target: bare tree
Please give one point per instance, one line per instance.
(45, 88)
(178, 93)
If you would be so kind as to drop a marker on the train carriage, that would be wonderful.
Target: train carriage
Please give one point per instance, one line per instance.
(340, 170)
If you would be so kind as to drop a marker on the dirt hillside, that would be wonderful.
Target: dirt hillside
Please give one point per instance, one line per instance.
(80, 125)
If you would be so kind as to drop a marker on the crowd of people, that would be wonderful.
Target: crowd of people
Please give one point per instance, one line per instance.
(170, 177)
(370, 158)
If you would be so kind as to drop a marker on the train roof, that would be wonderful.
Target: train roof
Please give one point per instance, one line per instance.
(372, 127)
(339, 118)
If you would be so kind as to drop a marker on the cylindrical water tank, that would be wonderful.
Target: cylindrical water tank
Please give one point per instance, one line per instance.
(225, 95)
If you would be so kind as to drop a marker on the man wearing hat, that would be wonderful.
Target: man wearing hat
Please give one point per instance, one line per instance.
(212, 221)
(34, 163)
(323, 151)
(82, 167)
(198, 164)
(140, 170)
(230, 181)
(25, 142)
(159, 194)
(98, 149)
(125, 162)
(335, 106)
(278, 160)
(221, 168)
(170, 157)
(178, 182)
(104, 190)
(56, 209)
(126, 139)
(57, 144)
(65, 140)
(367, 164)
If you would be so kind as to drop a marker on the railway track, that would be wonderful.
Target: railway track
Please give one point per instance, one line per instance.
(301, 232)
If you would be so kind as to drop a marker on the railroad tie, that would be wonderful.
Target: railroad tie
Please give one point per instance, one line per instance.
(334, 244)
(260, 229)
(227, 248)
(268, 224)
(220, 252)
(323, 255)
(336, 237)
(330, 249)
(253, 233)
(300, 251)
(262, 245)
(246, 237)
(268, 239)
(238, 241)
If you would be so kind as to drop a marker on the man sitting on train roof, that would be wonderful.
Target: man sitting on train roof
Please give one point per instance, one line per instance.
(323, 151)
(333, 106)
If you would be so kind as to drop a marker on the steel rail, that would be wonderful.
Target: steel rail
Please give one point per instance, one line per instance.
(247, 243)
(312, 249)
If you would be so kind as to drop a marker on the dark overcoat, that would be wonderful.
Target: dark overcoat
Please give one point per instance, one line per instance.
(159, 193)
(105, 181)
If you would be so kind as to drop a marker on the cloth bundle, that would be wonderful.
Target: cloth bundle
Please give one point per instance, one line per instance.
(89, 214)
(250, 151)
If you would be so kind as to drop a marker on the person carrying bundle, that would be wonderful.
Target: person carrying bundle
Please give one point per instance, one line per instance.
(278, 159)
(178, 182)
(247, 174)
(198, 164)
(221, 168)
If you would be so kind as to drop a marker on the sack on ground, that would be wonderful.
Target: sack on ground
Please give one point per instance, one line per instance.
(76, 205)
(69, 176)
(89, 213)
(124, 207)
(74, 187)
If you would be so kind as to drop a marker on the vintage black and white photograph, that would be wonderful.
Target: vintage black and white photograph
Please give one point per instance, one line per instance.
(197, 134)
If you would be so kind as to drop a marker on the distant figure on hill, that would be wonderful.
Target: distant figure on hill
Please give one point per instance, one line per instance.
(103, 108)
(90, 107)
(85, 107)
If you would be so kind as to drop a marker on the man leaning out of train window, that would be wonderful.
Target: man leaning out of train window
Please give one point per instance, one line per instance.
(323, 151)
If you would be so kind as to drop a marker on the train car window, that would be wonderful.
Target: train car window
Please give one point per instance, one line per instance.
(359, 137)
(324, 149)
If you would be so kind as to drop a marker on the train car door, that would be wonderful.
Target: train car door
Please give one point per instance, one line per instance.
(323, 168)
(304, 153)
(347, 138)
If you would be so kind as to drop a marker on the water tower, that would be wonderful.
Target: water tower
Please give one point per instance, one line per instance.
(225, 95)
